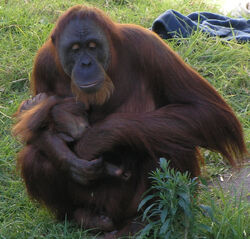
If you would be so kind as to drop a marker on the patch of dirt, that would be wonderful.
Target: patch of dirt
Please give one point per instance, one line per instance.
(237, 182)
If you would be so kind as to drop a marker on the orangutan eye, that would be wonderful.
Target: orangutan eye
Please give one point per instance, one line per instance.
(92, 45)
(75, 47)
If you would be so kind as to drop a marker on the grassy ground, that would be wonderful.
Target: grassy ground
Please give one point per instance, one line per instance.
(25, 25)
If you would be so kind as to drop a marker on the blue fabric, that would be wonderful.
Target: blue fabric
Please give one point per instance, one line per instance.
(172, 24)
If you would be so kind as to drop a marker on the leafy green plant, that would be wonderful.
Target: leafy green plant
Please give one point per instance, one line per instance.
(173, 213)
(173, 208)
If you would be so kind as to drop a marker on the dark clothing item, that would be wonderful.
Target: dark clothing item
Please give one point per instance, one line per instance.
(172, 24)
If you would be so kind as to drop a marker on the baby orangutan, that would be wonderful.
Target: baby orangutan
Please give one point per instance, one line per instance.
(65, 121)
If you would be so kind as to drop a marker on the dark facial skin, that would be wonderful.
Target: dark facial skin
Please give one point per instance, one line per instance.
(84, 54)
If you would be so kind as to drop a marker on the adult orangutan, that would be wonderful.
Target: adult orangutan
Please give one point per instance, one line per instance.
(143, 102)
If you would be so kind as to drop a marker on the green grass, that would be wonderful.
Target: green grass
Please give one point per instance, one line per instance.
(25, 25)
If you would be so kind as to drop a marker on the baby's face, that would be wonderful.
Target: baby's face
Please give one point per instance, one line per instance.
(73, 126)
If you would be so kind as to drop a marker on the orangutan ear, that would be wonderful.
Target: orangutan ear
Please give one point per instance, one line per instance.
(53, 39)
